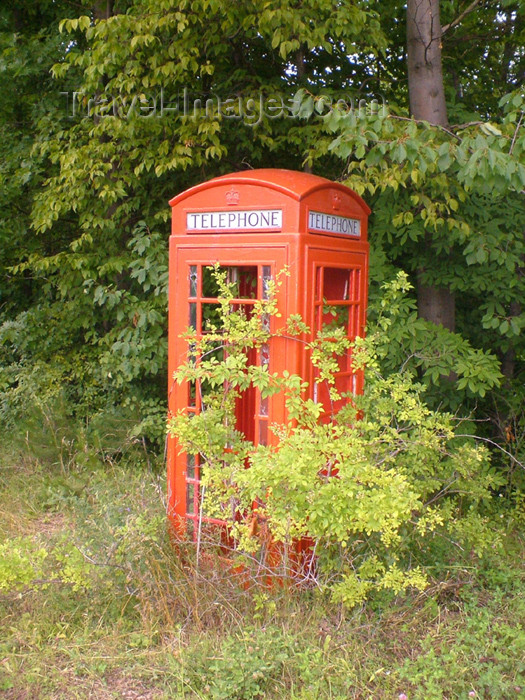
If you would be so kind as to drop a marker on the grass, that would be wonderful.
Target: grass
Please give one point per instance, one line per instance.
(100, 604)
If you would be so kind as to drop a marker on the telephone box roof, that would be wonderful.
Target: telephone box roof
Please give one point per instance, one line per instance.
(294, 184)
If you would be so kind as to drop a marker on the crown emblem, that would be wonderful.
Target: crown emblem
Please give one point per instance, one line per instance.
(232, 197)
(336, 200)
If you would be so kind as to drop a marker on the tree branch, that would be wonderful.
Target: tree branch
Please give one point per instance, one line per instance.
(458, 19)
(423, 121)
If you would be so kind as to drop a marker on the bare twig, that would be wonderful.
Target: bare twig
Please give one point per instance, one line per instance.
(467, 124)
(516, 133)
(477, 437)
(199, 532)
(101, 563)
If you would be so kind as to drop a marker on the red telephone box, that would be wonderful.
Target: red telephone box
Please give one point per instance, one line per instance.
(255, 223)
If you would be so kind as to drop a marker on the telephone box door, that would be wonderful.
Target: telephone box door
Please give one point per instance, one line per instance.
(196, 308)
(339, 281)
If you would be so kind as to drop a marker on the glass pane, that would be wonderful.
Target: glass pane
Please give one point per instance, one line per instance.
(190, 499)
(211, 317)
(209, 283)
(242, 278)
(266, 322)
(265, 354)
(336, 284)
(208, 392)
(192, 394)
(263, 432)
(266, 277)
(335, 316)
(263, 407)
(245, 310)
(193, 316)
(190, 466)
(193, 280)
(214, 349)
(245, 279)
(192, 354)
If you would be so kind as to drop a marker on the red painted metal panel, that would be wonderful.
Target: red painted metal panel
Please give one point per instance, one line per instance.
(257, 222)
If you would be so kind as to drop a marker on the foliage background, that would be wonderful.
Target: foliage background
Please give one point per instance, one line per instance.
(92, 599)
(84, 221)
(84, 218)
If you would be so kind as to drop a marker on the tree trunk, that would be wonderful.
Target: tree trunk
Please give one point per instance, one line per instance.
(427, 101)
(508, 363)
(103, 9)
(425, 75)
(300, 65)
(436, 304)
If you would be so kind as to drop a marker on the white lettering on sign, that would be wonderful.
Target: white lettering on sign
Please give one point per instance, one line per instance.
(244, 220)
(331, 223)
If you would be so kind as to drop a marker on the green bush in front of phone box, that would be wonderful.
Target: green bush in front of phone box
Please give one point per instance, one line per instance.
(380, 486)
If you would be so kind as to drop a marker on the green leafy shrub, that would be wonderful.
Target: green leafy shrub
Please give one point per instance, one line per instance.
(481, 661)
(375, 484)
(20, 564)
(104, 357)
(246, 667)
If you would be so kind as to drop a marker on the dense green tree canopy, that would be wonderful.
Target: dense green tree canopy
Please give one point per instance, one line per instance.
(94, 141)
